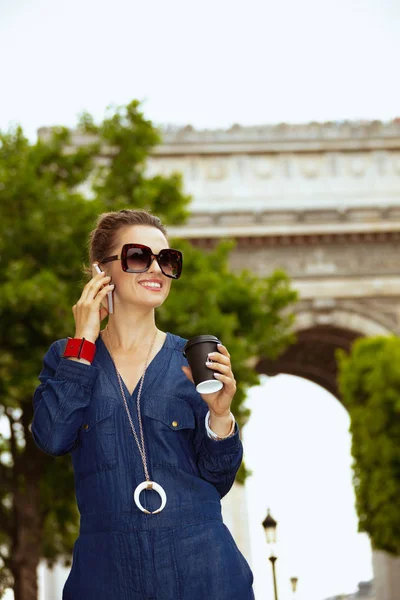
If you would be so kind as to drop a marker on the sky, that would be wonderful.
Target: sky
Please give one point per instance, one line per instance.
(210, 64)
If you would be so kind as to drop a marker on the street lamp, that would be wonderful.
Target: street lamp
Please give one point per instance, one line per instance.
(293, 581)
(269, 525)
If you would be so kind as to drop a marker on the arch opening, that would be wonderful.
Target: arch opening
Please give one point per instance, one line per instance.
(312, 357)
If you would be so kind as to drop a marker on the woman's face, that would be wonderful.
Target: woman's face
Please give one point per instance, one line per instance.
(130, 288)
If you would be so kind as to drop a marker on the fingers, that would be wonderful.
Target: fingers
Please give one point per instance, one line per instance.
(223, 350)
(217, 366)
(221, 363)
(222, 355)
(92, 287)
(101, 296)
(229, 383)
(94, 301)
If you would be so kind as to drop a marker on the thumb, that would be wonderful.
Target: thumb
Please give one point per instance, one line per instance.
(188, 373)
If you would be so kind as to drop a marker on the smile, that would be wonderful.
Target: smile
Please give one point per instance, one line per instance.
(151, 285)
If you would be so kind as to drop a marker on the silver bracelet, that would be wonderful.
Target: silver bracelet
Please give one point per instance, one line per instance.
(212, 433)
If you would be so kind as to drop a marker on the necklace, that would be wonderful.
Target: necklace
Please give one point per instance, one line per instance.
(148, 484)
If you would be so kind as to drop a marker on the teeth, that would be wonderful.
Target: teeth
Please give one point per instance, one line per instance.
(151, 284)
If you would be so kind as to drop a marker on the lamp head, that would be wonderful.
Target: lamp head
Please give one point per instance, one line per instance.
(269, 525)
(293, 581)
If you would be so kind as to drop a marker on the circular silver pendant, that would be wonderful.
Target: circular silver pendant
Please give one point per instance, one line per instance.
(150, 485)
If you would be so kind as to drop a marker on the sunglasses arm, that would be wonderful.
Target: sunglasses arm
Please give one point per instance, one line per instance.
(110, 258)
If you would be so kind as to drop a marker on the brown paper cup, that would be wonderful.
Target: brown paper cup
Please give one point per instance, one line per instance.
(196, 350)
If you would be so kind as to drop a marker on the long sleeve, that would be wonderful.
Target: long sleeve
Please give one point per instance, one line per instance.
(218, 460)
(60, 400)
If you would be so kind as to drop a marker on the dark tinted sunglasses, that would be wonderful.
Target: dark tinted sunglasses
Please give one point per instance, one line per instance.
(136, 258)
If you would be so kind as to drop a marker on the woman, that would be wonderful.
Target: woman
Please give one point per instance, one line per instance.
(152, 457)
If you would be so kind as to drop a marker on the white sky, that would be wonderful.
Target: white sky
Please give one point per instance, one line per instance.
(214, 63)
(210, 63)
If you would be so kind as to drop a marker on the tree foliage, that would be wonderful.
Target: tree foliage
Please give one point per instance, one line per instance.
(369, 381)
(43, 232)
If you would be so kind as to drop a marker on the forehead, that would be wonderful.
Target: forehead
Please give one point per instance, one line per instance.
(142, 234)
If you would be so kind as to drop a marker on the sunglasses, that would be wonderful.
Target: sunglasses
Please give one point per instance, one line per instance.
(136, 258)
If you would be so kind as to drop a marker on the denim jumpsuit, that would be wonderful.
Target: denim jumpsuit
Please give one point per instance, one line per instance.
(185, 552)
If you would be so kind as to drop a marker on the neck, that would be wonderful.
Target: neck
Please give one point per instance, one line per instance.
(131, 329)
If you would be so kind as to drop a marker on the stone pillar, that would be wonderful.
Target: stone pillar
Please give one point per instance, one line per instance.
(386, 575)
(234, 512)
(51, 581)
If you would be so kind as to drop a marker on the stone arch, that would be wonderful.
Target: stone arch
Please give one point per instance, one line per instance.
(312, 357)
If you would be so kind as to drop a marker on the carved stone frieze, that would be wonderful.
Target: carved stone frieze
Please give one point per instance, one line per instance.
(321, 260)
(363, 316)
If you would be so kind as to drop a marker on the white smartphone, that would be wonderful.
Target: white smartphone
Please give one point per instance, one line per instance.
(109, 295)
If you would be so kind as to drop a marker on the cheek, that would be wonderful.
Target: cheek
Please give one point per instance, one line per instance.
(122, 283)
(167, 288)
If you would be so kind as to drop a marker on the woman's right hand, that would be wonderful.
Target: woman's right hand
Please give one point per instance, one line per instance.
(88, 311)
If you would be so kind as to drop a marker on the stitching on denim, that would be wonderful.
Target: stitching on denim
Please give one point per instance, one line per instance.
(174, 562)
(139, 562)
(136, 544)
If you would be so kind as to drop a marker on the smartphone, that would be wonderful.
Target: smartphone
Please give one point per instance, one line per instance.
(109, 295)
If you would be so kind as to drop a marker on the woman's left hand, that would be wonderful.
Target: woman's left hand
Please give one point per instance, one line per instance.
(219, 402)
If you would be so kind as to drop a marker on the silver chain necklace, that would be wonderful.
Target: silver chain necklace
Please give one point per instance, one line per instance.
(148, 484)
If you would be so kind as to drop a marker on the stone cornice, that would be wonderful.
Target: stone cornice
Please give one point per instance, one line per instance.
(344, 136)
(312, 137)
(293, 234)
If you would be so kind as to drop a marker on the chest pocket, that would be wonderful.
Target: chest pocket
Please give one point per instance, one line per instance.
(96, 449)
(172, 413)
(171, 424)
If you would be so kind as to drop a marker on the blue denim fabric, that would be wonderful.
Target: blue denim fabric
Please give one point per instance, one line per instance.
(121, 553)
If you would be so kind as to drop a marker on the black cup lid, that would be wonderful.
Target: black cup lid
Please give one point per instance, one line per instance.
(198, 339)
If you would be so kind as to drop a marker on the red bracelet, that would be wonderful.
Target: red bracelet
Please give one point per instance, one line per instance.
(79, 348)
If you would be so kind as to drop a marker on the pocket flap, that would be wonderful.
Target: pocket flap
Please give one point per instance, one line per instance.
(172, 411)
(103, 410)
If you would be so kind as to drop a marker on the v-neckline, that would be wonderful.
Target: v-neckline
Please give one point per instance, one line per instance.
(111, 370)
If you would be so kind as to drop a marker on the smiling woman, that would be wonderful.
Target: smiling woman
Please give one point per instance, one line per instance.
(152, 457)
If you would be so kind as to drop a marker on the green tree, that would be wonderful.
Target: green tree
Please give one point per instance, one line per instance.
(369, 381)
(44, 227)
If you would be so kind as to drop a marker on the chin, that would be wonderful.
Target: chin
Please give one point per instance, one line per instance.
(154, 302)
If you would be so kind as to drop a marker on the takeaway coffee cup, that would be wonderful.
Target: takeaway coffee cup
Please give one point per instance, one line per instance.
(196, 350)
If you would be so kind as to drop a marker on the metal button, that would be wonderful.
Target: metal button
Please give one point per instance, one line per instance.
(174, 423)
(86, 426)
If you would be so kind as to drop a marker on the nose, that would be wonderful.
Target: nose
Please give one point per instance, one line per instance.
(154, 266)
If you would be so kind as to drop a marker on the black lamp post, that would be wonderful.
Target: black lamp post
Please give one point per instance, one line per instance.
(269, 525)
(293, 581)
